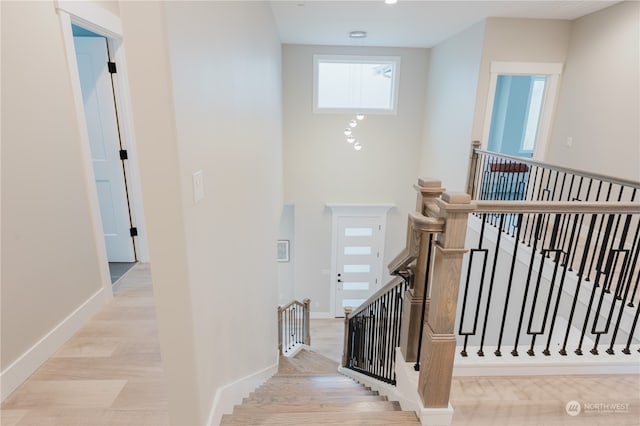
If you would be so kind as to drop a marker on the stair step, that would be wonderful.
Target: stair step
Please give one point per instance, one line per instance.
(340, 406)
(325, 418)
(314, 386)
(287, 399)
(308, 390)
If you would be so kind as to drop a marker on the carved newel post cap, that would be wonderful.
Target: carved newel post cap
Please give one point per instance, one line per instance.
(429, 182)
(347, 311)
(456, 198)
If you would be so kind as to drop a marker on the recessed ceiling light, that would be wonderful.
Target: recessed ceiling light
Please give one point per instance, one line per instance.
(391, 1)
(358, 34)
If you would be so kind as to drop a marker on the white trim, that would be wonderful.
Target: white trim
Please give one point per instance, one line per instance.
(552, 70)
(541, 365)
(232, 394)
(85, 151)
(351, 210)
(100, 21)
(383, 388)
(20, 370)
(92, 17)
(296, 349)
(321, 315)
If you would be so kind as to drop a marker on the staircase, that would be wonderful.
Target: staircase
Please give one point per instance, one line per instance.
(308, 391)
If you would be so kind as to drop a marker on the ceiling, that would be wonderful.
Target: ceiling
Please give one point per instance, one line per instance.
(409, 23)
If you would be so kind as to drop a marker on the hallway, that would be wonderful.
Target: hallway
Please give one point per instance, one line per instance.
(110, 374)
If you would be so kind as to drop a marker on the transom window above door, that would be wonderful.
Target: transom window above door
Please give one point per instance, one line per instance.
(355, 83)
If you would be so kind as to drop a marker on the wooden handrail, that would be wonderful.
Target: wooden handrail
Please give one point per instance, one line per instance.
(394, 282)
(612, 179)
(567, 207)
(418, 223)
(288, 305)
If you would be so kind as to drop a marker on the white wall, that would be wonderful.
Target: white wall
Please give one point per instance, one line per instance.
(205, 80)
(517, 40)
(320, 167)
(451, 95)
(599, 103)
(49, 253)
(286, 270)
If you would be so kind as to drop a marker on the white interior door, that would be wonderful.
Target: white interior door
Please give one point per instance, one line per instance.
(360, 242)
(100, 113)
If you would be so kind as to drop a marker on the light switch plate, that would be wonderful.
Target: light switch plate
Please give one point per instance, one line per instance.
(198, 186)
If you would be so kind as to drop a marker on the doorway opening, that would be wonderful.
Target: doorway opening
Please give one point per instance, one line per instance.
(516, 114)
(520, 106)
(108, 153)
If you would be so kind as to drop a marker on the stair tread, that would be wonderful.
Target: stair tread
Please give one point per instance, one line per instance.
(309, 407)
(287, 399)
(308, 390)
(323, 418)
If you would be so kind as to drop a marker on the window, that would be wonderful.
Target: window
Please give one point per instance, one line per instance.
(533, 115)
(356, 83)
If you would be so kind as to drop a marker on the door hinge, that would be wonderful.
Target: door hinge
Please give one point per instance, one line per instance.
(133, 231)
(112, 67)
(123, 154)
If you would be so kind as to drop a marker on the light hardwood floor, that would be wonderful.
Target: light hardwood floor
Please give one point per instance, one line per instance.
(110, 373)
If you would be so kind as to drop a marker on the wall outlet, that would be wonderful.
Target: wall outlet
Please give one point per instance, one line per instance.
(569, 141)
(198, 186)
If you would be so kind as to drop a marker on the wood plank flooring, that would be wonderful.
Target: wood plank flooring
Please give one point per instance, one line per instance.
(109, 373)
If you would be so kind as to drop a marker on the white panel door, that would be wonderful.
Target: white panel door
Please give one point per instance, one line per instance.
(100, 112)
(358, 260)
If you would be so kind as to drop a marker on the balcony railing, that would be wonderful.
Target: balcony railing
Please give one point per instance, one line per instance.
(293, 326)
(553, 267)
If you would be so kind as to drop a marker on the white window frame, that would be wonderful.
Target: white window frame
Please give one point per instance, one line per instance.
(357, 59)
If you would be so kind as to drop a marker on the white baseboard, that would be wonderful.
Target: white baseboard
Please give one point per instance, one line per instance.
(20, 370)
(541, 365)
(385, 389)
(321, 315)
(232, 394)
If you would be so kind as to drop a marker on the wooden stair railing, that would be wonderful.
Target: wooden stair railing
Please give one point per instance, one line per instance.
(293, 325)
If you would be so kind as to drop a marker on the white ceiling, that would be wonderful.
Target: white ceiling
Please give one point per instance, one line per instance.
(409, 23)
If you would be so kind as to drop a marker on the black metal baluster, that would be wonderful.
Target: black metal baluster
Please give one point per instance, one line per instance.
(561, 286)
(491, 282)
(509, 284)
(480, 289)
(514, 352)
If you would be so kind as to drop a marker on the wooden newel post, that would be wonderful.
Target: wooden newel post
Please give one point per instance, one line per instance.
(307, 323)
(345, 345)
(439, 340)
(280, 329)
(428, 191)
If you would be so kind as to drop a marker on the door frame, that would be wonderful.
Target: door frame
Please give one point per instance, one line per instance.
(351, 210)
(104, 23)
(552, 70)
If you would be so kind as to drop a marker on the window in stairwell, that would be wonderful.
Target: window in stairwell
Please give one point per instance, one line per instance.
(356, 83)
